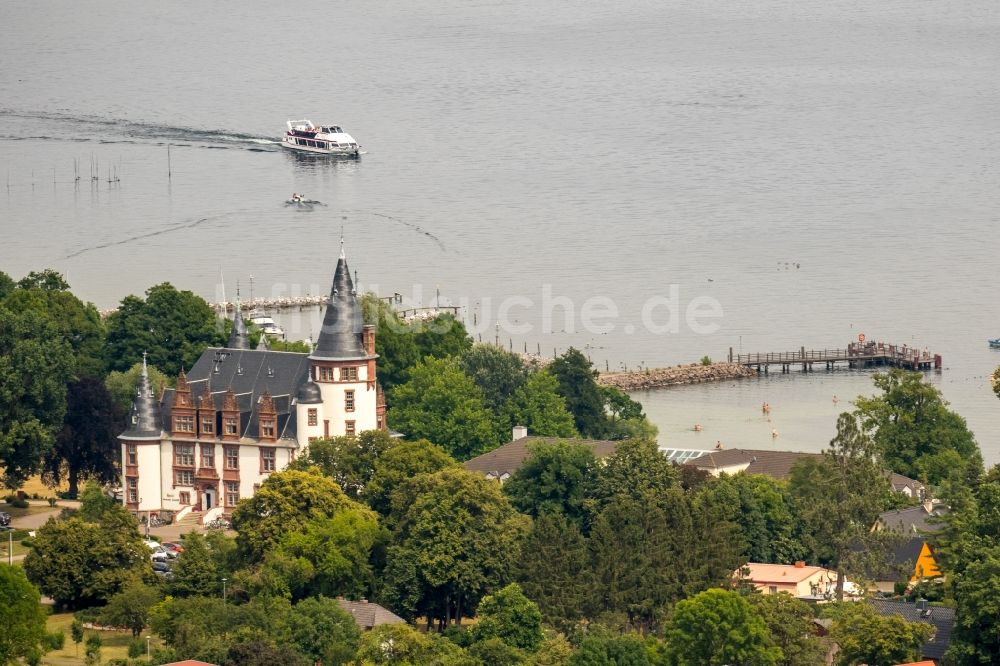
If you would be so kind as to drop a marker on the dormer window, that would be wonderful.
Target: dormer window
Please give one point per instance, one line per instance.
(183, 424)
(230, 425)
(349, 374)
(325, 374)
(267, 428)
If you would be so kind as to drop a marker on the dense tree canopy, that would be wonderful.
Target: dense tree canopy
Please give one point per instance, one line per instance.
(865, 637)
(21, 616)
(348, 460)
(401, 462)
(557, 477)
(77, 322)
(440, 403)
(913, 429)
(719, 627)
(496, 371)
(87, 446)
(511, 617)
(131, 607)
(173, 327)
(538, 406)
(764, 510)
(80, 563)
(578, 386)
(838, 500)
(790, 622)
(286, 502)
(35, 363)
(554, 570)
(456, 538)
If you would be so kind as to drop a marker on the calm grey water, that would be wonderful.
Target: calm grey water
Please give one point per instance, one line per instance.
(819, 169)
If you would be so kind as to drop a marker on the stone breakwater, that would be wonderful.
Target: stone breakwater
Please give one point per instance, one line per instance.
(638, 380)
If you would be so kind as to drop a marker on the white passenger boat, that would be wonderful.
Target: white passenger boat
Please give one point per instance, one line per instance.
(303, 135)
(267, 324)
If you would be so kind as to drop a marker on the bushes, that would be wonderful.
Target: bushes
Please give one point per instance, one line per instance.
(16, 501)
(53, 641)
(136, 647)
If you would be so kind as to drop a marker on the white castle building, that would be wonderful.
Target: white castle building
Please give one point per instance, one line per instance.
(240, 413)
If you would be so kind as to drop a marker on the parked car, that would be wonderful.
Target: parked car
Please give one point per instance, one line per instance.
(158, 551)
(162, 568)
(4, 519)
(173, 548)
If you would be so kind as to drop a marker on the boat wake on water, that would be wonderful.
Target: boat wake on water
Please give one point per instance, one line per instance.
(66, 127)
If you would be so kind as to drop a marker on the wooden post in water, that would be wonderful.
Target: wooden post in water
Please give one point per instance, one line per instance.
(169, 171)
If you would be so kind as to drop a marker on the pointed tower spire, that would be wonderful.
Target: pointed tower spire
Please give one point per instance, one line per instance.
(341, 335)
(145, 421)
(238, 337)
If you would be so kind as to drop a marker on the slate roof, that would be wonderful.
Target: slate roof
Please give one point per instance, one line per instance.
(249, 373)
(369, 615)
(914, 520)
(777, 464)
(507, 459)
(341, 335)
(899, 482)
(941, 618)
(144, 418)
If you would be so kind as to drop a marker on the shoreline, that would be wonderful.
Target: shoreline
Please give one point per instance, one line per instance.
(692, 373)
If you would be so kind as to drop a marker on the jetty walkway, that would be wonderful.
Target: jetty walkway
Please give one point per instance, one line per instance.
(856, 355)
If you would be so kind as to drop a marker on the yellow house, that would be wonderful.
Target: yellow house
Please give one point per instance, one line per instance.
(925, 566)
(796, 579)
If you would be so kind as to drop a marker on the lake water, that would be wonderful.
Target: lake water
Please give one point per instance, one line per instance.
(814, 169)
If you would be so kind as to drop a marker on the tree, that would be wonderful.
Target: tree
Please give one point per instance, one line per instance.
(46, 280)
(402, 461)
(173, 327)
(554, 651)
(441, 337)
(286, 502)
(130, 608)
(455, 538)
(78, 323)
(440, 403)
(394, 342)
(719, 627)
(7, 285)
(578, 386)
(496, 371)
(122, 385)
(538, 406)
(195, 572)
(34, 365)
(554, 570)
(634, 571)
(394, 644)
(92, 649)
(348, 460)
(625, 416)
(339, 550)
(603, 648)
(977, 635)
(913, 429)
(511, 617)
(76, 631)
(495, 652)
(81, 563)
(323, 631)
(839, 498)
(260, 650)
(556, 477)
(21, 616)
(764, 510)
(865, 637)
(87, 446)
(637, 469)
(790, 623)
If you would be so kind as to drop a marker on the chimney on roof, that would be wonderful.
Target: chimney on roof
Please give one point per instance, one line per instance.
(799, 564)
(518, 432)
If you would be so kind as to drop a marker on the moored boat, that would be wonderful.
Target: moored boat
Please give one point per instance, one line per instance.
(995, 343)
(304, 136)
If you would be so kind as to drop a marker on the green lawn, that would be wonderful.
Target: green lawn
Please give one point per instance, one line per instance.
(19, 548)
(115, 644)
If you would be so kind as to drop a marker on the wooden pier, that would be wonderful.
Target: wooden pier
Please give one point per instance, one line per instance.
(856, 355)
